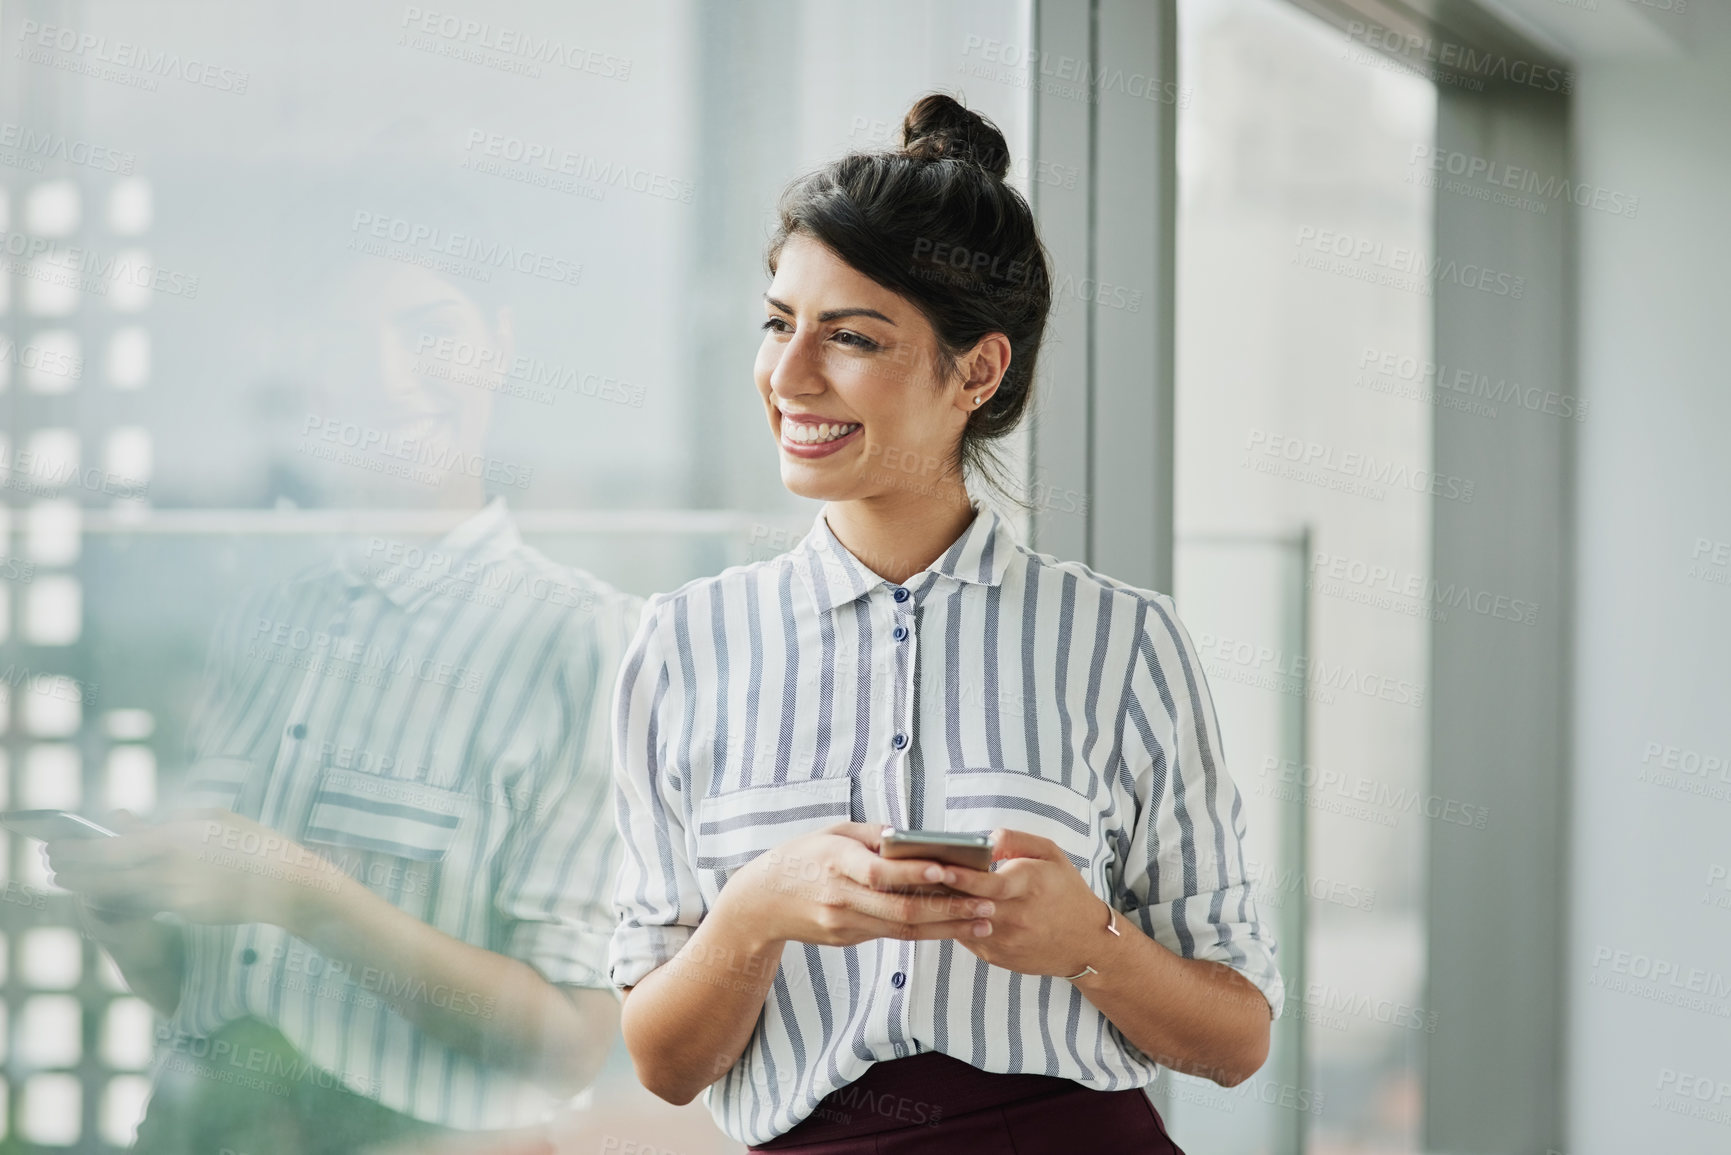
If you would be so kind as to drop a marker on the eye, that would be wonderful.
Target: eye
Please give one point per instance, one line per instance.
(776, 325)
(858, 341)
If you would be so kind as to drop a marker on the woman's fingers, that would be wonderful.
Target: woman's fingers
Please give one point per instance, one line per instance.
(888, 874)
(992, 884)
(891, 907)
(962, 928)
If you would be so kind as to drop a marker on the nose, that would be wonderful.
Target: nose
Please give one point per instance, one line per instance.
(797, 371)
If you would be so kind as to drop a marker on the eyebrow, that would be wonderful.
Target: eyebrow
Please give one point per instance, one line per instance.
(831, 314)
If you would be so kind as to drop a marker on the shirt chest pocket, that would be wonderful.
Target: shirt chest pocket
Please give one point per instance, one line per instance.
(217, 783)
(982, 798)
(736, 826)
(386, 815)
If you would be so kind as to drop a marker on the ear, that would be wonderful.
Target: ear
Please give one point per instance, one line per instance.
(982, 368)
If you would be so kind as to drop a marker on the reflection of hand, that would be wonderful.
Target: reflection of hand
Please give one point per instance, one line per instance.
(1046, 916)
(204, 865)
(833, 889)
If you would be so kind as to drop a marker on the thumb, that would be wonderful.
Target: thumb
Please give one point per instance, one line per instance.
(1021, 844)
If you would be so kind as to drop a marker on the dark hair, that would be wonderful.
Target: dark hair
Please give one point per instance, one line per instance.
(935, 222)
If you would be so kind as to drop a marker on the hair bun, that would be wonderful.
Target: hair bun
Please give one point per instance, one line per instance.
(938, 127)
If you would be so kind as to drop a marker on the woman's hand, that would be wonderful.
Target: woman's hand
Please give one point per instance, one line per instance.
(207, 866)
(1046, 915)
(832, 889)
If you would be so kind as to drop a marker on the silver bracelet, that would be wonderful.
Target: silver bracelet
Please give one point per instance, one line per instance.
(1111, 925)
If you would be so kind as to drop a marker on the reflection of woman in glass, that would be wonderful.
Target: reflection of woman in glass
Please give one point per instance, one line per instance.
(390, 854)
(911, 665)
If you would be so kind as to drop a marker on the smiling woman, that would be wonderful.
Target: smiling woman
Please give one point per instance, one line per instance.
(768, 951)
(951, 289)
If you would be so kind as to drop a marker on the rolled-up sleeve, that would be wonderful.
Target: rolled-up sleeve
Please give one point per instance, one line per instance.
(1184, 877)
(657, 901)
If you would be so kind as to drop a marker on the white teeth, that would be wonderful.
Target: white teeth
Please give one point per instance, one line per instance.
(815, 434)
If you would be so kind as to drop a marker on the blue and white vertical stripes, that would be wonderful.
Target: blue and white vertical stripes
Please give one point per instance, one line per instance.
(998, 687)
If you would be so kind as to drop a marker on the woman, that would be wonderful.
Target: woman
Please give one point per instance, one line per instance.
(910, 665)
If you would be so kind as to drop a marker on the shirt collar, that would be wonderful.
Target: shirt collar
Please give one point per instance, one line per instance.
(410, 574)
(835, 577)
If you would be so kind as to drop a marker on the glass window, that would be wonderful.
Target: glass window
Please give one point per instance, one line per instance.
(1302, 561)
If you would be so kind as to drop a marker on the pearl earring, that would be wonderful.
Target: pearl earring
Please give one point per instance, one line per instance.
(977, 400)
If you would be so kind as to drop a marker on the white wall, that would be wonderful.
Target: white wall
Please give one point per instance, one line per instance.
(1654, 636)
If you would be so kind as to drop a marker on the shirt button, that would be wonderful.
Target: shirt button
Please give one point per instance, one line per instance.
(898, 980)
(298, 731)
(901, 1049)
(248, 956)
(900, 741)
(902, 594)
(900, 633)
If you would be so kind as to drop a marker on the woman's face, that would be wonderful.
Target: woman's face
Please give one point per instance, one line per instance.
(859, 400)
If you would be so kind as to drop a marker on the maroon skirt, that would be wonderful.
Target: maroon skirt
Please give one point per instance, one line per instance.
(932, 1103)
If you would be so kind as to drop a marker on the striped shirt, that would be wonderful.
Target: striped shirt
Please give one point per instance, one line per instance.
(998, 687)
(434, 721)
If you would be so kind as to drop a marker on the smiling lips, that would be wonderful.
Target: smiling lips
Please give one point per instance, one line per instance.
(808, 438)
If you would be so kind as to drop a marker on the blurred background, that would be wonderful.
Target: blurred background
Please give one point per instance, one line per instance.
(1383, 339)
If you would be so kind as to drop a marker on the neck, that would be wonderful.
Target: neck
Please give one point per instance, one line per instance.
(898, 535)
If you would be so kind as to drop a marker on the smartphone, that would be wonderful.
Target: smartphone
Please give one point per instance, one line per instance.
(973, 851)
(49, 825)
